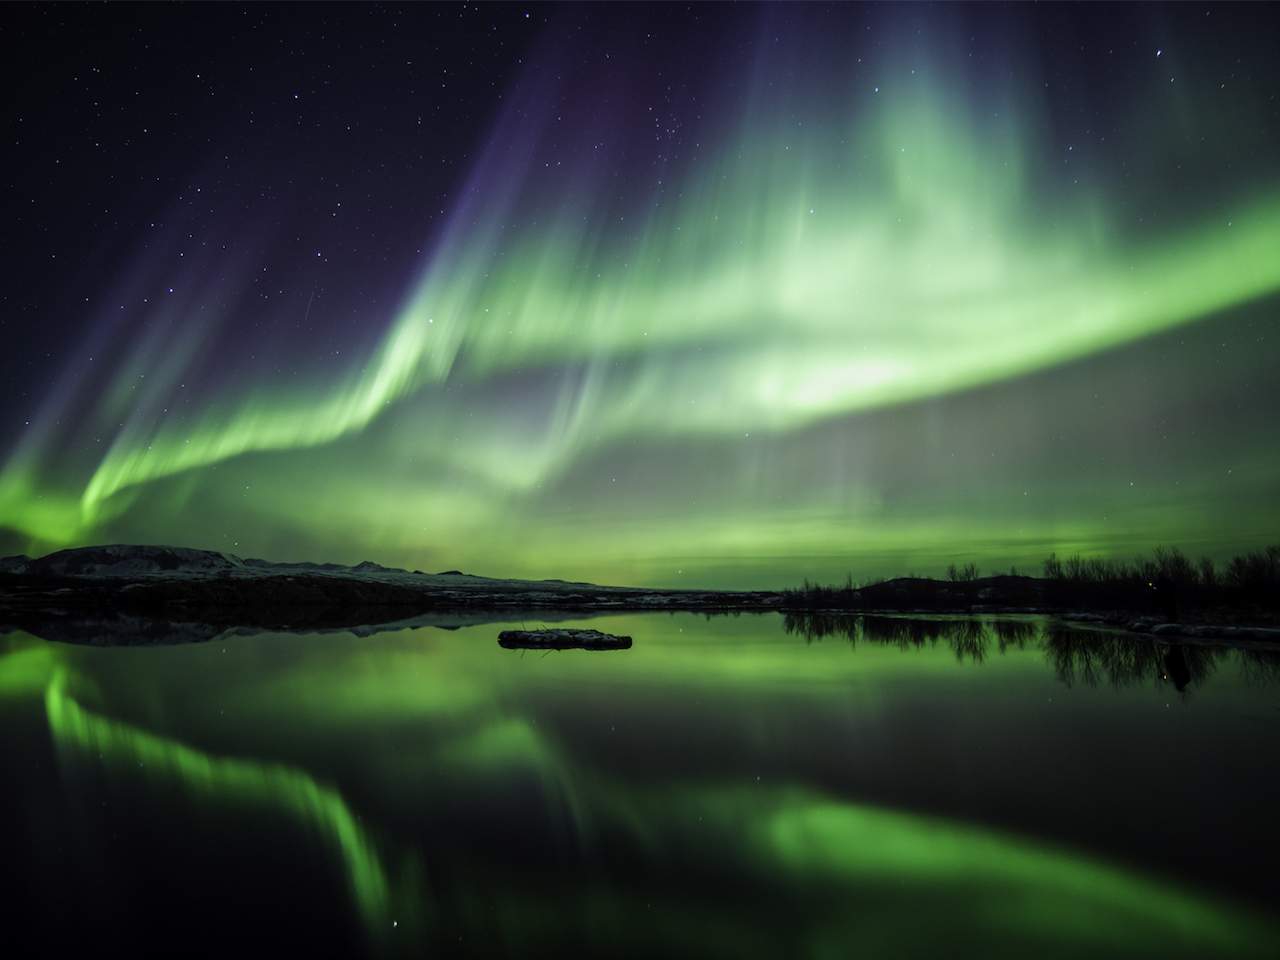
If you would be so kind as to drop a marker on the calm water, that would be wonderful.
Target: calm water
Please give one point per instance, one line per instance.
(737, 786)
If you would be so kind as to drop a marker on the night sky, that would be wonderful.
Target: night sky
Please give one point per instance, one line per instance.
(672, 295)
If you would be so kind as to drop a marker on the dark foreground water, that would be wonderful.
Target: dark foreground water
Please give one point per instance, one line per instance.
(729, 787)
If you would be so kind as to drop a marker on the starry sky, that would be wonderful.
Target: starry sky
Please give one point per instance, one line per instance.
(670, 295)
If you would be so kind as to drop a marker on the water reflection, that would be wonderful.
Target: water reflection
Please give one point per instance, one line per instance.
(1091, 657)
(648, 804)
(866, 872)
(1077, 656)
(171, 765)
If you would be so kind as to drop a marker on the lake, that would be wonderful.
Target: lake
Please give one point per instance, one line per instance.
(732, 786)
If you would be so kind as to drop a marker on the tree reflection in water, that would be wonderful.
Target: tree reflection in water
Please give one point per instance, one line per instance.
(1078, 656)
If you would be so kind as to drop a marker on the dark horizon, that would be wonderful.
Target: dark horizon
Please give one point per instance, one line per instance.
(1255, 574)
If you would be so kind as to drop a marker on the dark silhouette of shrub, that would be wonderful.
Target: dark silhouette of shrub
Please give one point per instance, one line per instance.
(1165, 584)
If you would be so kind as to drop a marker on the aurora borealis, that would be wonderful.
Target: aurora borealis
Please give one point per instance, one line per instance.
(670, 296)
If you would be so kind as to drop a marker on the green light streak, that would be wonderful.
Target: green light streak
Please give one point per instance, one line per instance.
(901, 255)
(795, 278)
(220, 779)
(845, 317)
(1010, 883)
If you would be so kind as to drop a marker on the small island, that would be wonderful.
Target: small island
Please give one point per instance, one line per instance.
(561, 639)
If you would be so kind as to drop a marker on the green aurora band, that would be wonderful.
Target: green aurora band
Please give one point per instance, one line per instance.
(801, 279)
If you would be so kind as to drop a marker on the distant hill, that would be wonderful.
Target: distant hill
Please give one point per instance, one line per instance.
(122, 560)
